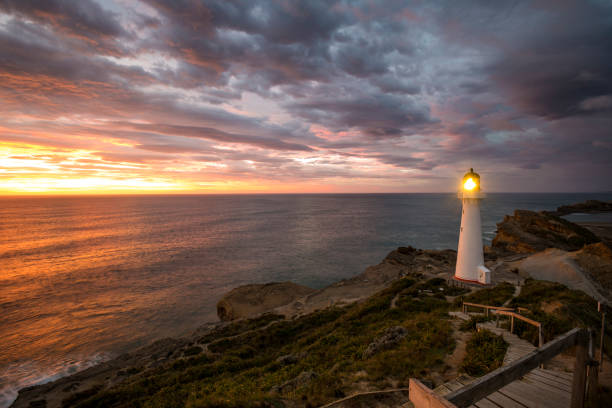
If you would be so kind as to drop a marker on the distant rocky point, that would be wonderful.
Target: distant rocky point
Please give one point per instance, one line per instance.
(588, 207)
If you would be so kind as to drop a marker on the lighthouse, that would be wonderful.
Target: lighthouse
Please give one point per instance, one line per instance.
(470, 259)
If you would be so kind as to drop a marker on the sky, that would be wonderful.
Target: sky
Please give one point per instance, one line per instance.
(279, 96)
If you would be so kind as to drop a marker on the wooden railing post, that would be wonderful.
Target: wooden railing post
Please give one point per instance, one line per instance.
(601, 341)
(580, 370)
(512, 324)
(593, 385)
(540, 340)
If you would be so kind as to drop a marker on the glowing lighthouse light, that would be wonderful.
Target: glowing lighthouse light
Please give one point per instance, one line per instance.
(469, 184)
(470, 258)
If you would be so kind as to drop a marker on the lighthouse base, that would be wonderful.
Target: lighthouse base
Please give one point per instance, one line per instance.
(484, 277)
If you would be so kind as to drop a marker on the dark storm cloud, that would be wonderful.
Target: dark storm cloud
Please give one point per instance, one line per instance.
(276, 41)
(376, 115)
(282, 22)
(562, 79)
(29, 49)
(556, 56)
(82, 20)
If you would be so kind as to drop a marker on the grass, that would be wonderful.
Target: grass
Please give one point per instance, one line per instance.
(241, 367)
(485, 352)
(495, 296)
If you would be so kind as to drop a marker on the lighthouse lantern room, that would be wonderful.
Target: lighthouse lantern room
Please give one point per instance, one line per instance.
(470, 258)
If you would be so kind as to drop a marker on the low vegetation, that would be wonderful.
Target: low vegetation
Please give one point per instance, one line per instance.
(308, 361)
(485, 352)
(400, 332)
(495, 296)
(558, 308)
(471, 324)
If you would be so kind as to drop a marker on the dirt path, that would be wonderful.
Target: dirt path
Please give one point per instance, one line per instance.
(455, 359)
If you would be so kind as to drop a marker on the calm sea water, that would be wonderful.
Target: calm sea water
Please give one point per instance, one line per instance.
(85, 278)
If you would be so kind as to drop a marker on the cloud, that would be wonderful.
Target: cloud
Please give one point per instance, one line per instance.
(378, 115)
(326, 94)
(218, 135)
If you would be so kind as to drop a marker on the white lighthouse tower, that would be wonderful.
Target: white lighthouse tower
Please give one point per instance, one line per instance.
(470, 260)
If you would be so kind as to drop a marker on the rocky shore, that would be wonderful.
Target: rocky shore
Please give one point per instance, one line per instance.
(539, 245)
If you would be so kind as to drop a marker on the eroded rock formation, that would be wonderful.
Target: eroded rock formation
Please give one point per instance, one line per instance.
(529, 232)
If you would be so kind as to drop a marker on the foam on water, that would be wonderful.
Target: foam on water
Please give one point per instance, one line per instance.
(24, 374)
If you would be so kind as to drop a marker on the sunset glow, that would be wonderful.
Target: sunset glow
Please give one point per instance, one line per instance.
(310, 97)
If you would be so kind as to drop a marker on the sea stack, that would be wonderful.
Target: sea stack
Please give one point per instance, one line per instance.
(470, 258)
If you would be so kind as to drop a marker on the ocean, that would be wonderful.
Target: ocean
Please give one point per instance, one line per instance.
(83, 279)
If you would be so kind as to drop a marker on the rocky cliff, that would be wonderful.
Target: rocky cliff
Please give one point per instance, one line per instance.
(529, 232)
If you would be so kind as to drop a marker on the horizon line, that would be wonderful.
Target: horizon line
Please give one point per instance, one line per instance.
(135, 194)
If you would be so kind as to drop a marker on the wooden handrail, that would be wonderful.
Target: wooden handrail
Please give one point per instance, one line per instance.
(523, 318)
(510, 309)
(518, 316)
(487, 306)
(497, 379)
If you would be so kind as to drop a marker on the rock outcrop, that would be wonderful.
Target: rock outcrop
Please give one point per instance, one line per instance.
(416, 260)
(588, 207)
(252, 300)
(391, 337)
(398, 263)
(529, 232)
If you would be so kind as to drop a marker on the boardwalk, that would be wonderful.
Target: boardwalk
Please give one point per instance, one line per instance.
(541, 388)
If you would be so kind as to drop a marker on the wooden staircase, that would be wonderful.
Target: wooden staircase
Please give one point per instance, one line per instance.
(543, 388)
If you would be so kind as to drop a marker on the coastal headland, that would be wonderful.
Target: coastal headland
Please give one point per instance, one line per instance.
(286, 345)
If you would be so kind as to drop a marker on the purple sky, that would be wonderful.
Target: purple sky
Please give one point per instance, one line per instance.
(311, 96)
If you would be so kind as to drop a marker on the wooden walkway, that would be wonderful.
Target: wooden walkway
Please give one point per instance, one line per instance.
(541, 388)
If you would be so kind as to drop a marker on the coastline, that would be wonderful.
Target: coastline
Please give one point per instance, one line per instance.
(399, 263)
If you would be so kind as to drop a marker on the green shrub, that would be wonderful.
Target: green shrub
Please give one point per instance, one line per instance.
(485, 352)
(470, 325)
